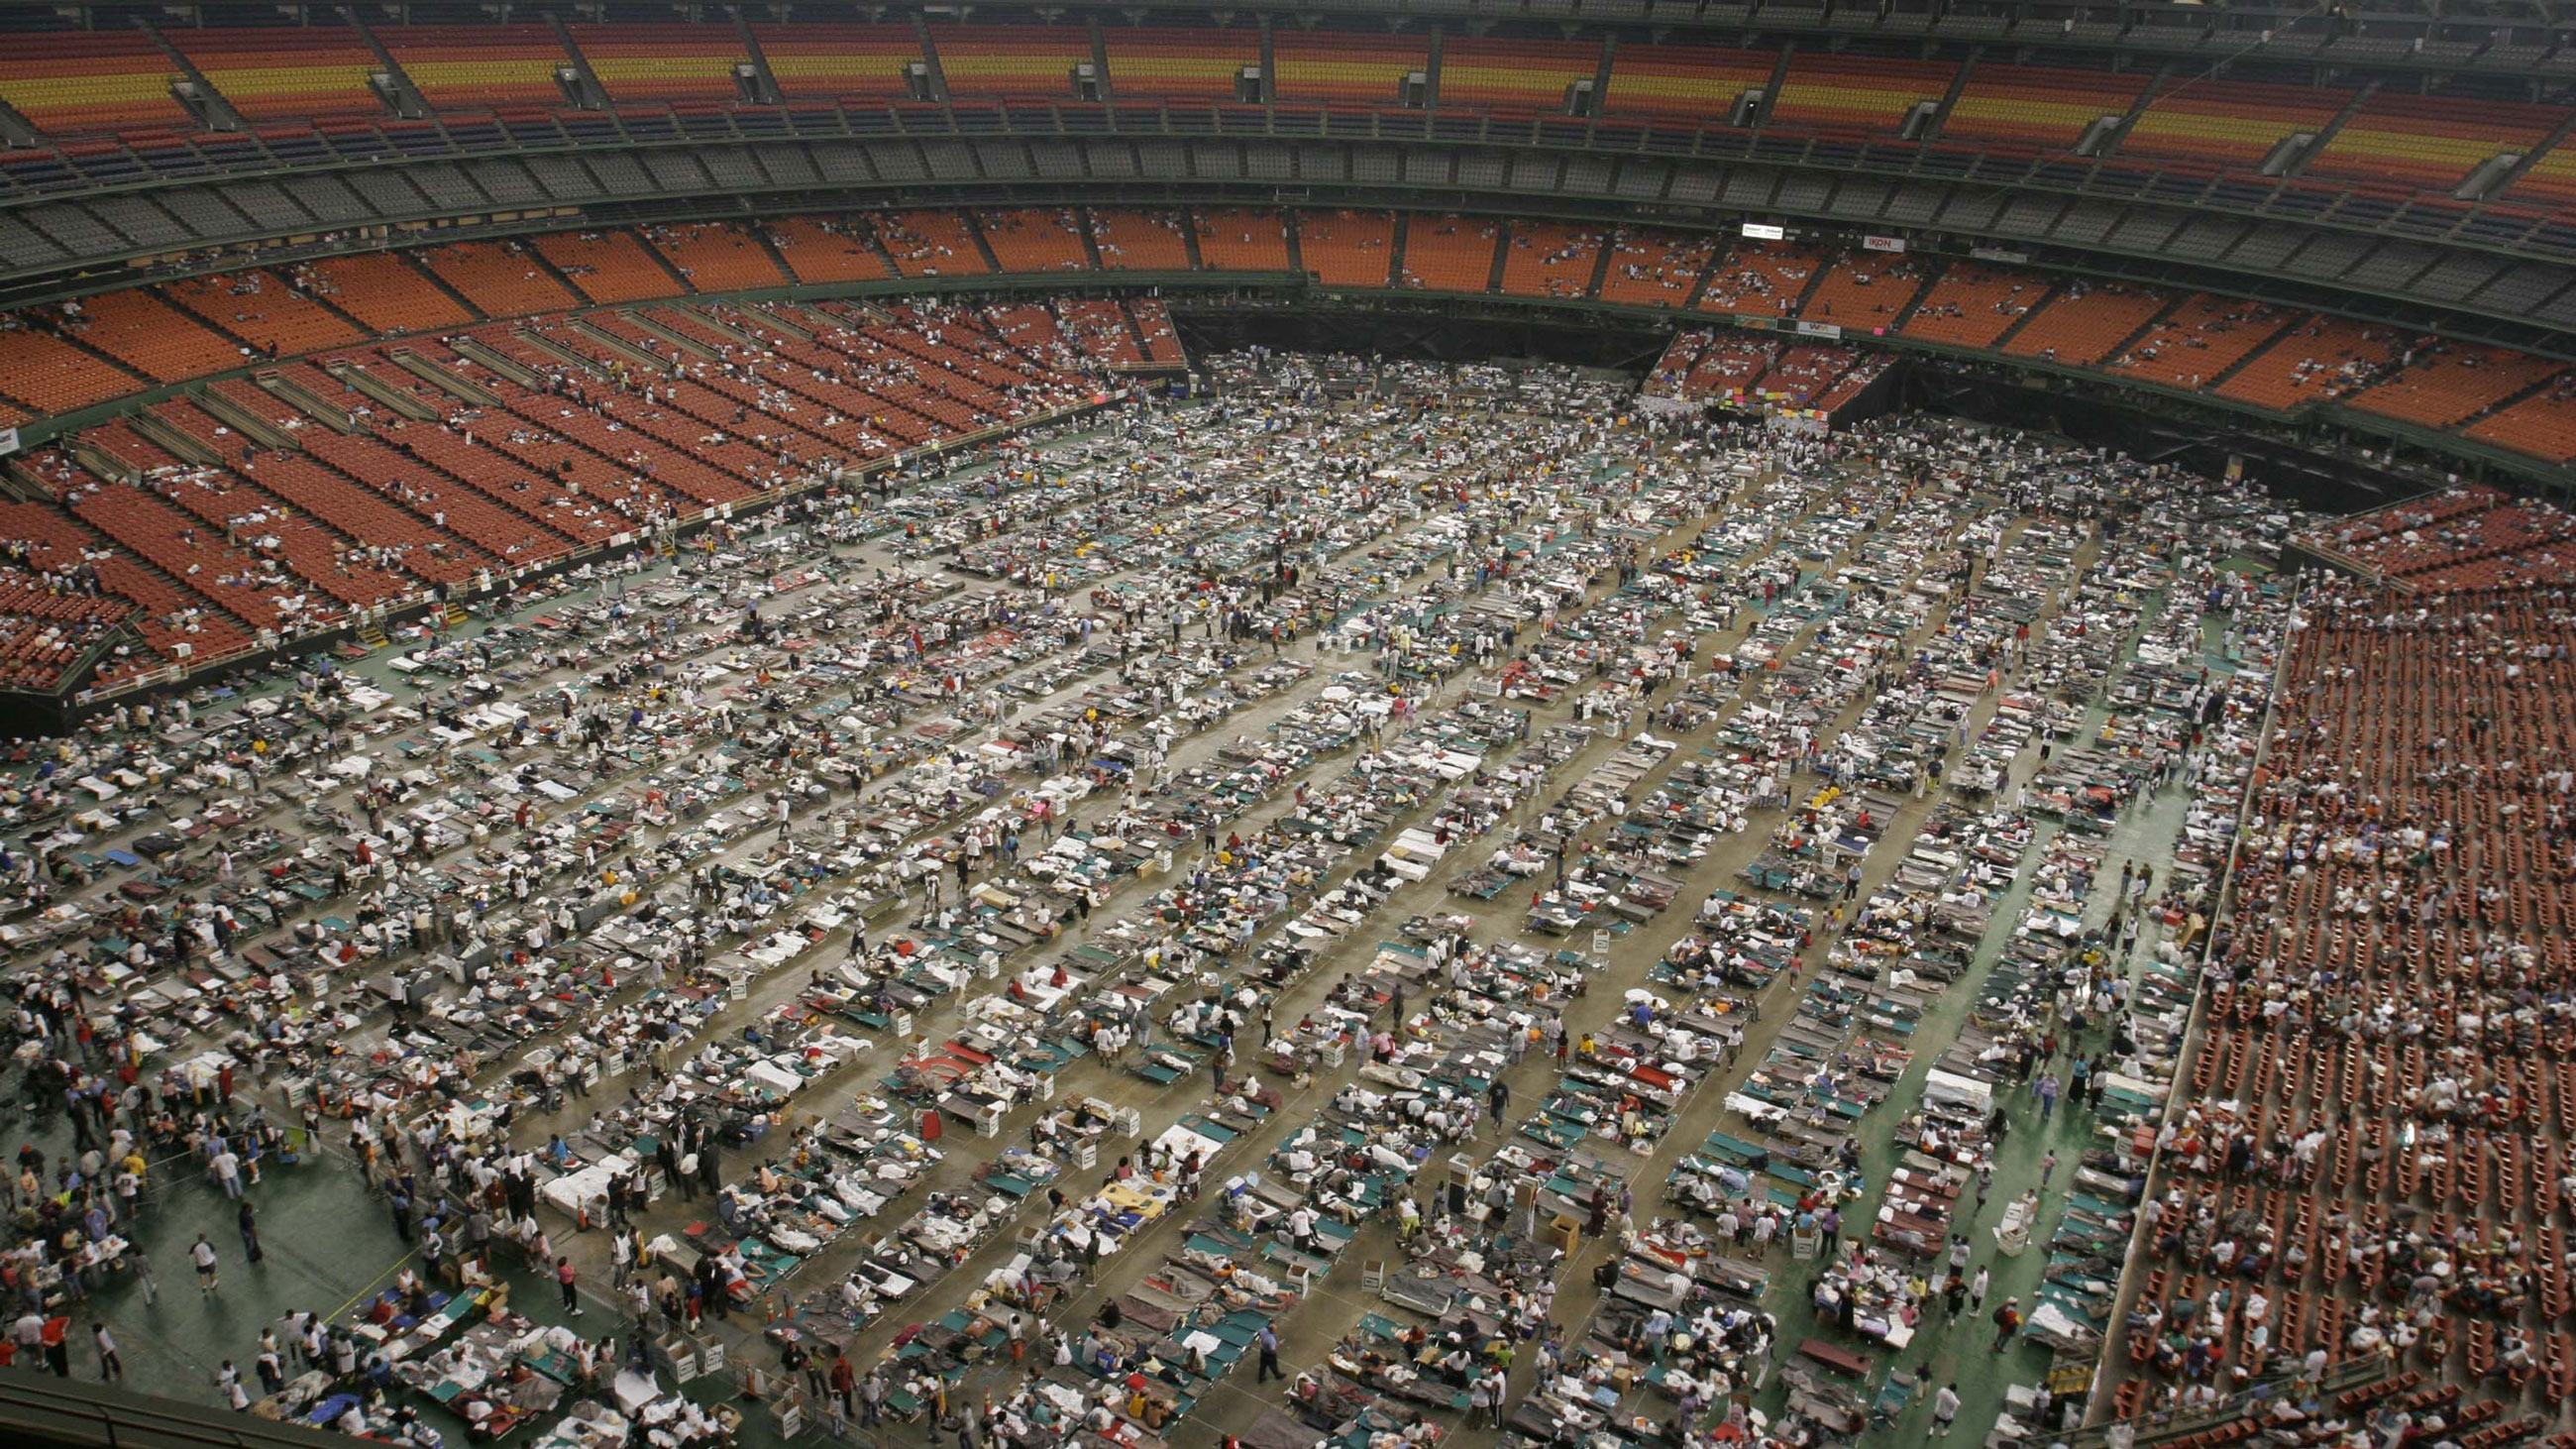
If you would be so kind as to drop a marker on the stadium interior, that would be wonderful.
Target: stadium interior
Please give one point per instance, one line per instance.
(744, 724)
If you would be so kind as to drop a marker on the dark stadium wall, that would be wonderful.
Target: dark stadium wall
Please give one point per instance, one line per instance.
(1417, 330)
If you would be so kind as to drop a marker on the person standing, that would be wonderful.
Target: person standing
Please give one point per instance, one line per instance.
(202, 1253)
(111, 1364)
(1268, 1342)
(226, 1166)
(564, 1279)
(2007, 1323)
(1977, 1291)
(249, 1217)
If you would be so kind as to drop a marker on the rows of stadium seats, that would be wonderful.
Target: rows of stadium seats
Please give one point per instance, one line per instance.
(2084, 322)
(308, 82)
(1449, 253)
(1181, 65)
(2467, 536)
(1550, 259)
(822, 251)
(1514, 76)
(1761, 279)
(1035, 240)
(1144, 241)
(55, 361)
(2203, 338)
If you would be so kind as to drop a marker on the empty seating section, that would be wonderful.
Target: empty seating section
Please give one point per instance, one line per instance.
(1035, 241)
(261, 309)
(1347, 248)
(2228, 123)
(359, 513)
(1178, 65)
(1865, 369)
(2086, 322)
(1307, 70)
(1687, 85)
(931, 244)
(820, 249)
(1550, 259)
(285, 73)
(152, 337)
(862, 62)
(104, 80)
(2204, 337)
(1005, 62)
(2448, 383)
(382, 291)
(1761, 279)
(49, 375)
(662, 62)
(1514, 75)
(2428, 142)
(1654, 269)
(715, 256)
(46, 627)
(401, 460)
(1865, 290)
(1449, 253)
(1846, 94)
(608, 266)
(2031, 108)
(1242, 240)
(1140, 241)
(2542, 426)
(501, 279)
(479, 65)
(2319, 359)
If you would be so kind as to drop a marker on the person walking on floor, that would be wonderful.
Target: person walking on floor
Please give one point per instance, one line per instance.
(1268, 1341)
(2007, 1323)
(1977, 1290)
(111, 1364)
(202, 1253)
(1945, 1411)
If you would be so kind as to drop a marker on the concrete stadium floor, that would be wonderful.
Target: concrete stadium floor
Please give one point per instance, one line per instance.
(329, 1242)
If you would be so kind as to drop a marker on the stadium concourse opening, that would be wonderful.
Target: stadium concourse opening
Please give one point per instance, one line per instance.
(1092, 729)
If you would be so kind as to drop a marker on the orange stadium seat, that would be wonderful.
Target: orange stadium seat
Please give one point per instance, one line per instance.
(1449, 253)
(1178, 65)
(1347, 248)
(1035, 240)
(479, 65)
(1140, 241)
(261, 309)
(1309, 69)
(1761, 279)
(609, 266)
(1550, 259)
(1865, 290)
(2015, 107)
(862, 62)
(1242, 241)
(2429, 141)
(90, 81)
(662, 62)
(2319, 359)
(2228, 122)
(931, 244)
(1011, 62)
(2086, 321)
(1689, 85)
(716, 256)
(304, 72)
(820, 249)
(1971, 304)
(152, 337)
(381, 290)
(46, 374)
(1833, 93)
(2543, 426)
(1655, 268)
(501, 279)
(2203, 338)
(2446, 383)
(1514, 75)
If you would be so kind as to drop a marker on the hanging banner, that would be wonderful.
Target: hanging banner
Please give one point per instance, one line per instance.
(1882, 243)
(1764, 231)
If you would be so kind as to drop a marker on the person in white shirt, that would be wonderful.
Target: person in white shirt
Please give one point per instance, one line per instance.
(1945, 1409)
(202, 1253)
